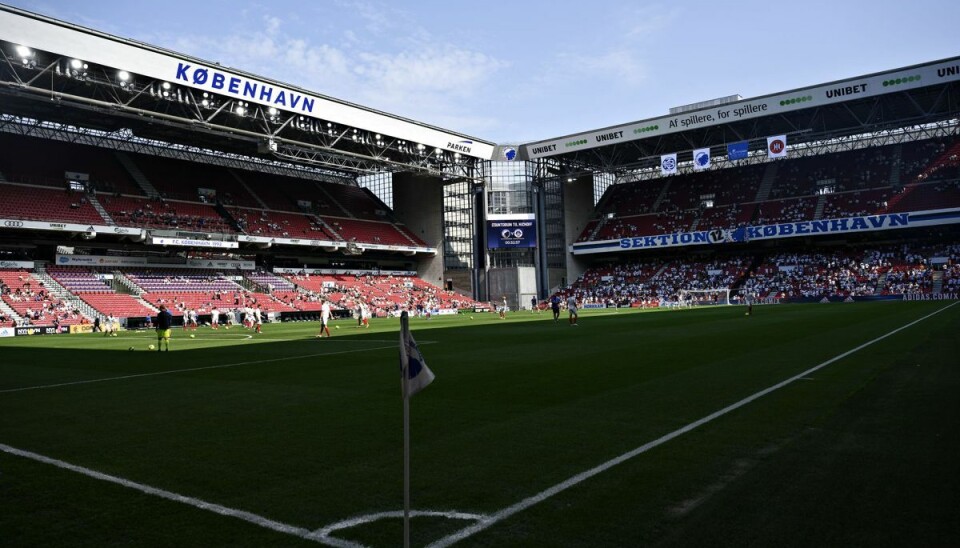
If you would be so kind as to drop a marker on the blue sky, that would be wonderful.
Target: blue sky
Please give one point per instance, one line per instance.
(521, 71)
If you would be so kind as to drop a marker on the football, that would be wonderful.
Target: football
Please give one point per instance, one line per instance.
(151, 347)
(192, 336)
(130, 349)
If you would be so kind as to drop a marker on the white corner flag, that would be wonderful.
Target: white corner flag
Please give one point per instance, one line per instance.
(414, 371)
(415, 376)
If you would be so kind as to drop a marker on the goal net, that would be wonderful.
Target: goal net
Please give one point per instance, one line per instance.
(704, 297)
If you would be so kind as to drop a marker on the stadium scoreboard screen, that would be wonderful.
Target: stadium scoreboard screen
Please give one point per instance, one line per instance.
(511, 234)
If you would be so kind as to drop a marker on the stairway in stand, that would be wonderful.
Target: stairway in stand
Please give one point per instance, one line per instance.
(92, 198)
(137, 174)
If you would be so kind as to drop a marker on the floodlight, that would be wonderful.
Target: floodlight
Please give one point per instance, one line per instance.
(123, 76)
(165, 85)
(239, 110)
(205, 102)
(272, 111)
(24, 52)
(76, 64)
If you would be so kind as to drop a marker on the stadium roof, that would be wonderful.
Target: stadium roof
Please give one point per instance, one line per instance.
(63, 73)
(916, 95)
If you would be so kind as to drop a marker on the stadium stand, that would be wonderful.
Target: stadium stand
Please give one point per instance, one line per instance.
(858, 202)
(780, 211)
(121, 306)
(849, 271)
(384, 294)
(284, 193)
(372, 232)
(925, 196)
(28, 297)
(284, 291)
(199, 290)
(36, 203)
(90, 287)
(40, 193)
(833, 185)
(79, 280)
(45, 162)
(182, 180)
(165, 214)
(355, 201)
(259, 222)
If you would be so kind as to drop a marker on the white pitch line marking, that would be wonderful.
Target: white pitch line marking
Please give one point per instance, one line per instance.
(222, 366)
(324, 533)
(321, 535)
(503, 514)
(168, 495)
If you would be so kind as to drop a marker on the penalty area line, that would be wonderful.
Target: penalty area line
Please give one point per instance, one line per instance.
(505, 513)
(205, 368)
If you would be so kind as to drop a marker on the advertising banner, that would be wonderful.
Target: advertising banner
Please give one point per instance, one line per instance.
(7, 332)
(17, 264)
(104, 260)
(39, 330)
(820, 227)
(185, 242)
(737, 151)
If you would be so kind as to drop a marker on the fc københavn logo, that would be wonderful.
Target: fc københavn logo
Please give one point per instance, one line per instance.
(702, 159)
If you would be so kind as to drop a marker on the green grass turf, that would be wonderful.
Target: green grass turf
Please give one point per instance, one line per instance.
(863, 453)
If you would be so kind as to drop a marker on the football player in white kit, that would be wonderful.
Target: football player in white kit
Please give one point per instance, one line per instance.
(324, 319)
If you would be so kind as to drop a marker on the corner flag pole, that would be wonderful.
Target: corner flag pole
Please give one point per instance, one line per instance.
(404, 365)
(416, 376)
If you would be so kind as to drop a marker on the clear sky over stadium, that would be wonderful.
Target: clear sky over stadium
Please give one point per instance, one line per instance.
(520, 71)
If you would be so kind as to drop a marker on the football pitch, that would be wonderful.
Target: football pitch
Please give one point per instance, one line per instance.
(801, 425)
